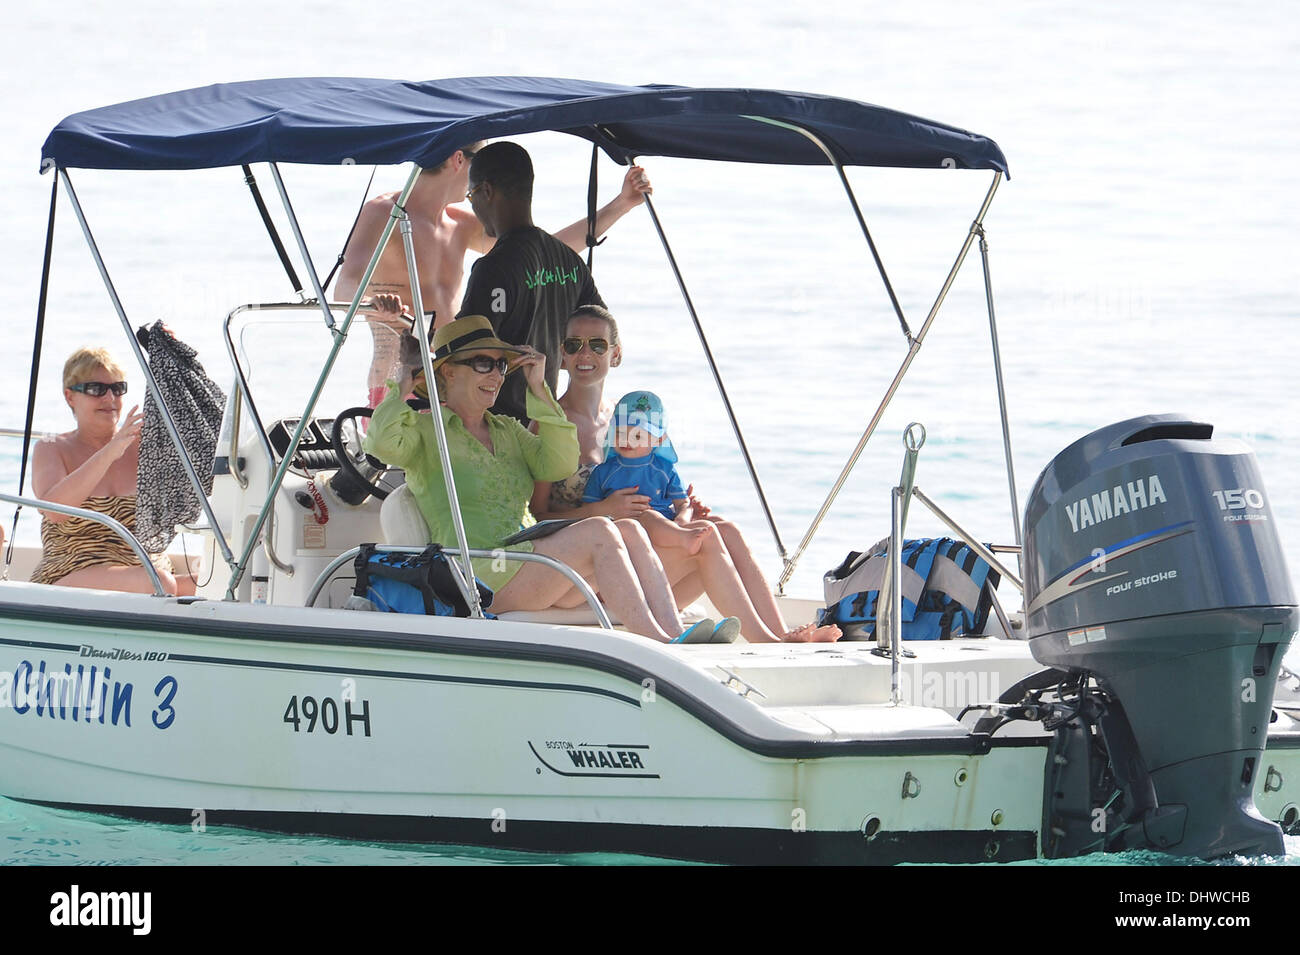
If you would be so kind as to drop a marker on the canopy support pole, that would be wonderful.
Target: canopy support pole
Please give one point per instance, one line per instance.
(468, 588)
(912, 351)
(36, 369)
(340, 336)
(302, 249)
(717, 378)
(857, 211)
(1002, 395)
(980, 549)
(164, 411)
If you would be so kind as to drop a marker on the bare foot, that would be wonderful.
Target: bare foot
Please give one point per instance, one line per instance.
(810, 633)
(690, 539)
(827, 634)
(799, 634)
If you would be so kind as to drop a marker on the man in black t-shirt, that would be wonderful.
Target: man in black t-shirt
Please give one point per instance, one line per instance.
(530, 282)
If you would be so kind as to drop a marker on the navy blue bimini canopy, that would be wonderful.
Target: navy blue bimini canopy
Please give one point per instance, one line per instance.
(329, 121)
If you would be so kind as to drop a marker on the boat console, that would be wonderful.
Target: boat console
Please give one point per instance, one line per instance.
(316, 515)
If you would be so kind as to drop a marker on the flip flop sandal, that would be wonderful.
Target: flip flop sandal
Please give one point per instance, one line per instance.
(699, 632)
(727, 631)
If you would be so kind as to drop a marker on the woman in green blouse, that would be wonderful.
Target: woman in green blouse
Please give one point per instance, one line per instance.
(496, 462)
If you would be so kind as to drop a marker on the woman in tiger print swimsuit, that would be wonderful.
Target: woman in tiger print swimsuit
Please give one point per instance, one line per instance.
(95, 467)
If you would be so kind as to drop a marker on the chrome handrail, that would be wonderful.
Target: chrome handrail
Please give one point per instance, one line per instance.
(889, 632)
(894, 588)
(232, 459)
(269, 548)
(20, 433)
(602, 617)
(114, 525)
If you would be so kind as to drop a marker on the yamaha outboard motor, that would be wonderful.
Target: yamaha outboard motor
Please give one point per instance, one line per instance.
(1155, 579)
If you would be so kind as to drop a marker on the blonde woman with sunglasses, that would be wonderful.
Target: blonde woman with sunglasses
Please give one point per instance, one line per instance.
(95, 467)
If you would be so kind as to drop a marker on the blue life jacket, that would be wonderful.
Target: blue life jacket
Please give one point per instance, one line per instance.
(413, 583)
(947, 590)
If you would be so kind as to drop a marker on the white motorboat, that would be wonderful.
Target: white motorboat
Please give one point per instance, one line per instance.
(1130, 704)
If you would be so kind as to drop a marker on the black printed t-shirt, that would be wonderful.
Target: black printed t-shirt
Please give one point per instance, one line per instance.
(528, 285)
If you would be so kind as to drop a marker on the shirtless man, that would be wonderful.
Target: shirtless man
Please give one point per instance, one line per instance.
(442, 233)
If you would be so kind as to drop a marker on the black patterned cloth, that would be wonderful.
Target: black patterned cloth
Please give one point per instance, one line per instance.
(165, 497)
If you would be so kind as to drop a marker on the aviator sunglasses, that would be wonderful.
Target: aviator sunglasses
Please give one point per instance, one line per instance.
(96, 389)
(598, 346)
(483, 364)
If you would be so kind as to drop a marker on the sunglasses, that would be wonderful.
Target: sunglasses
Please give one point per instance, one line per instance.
(97, 389)
(483, 364)
(598, 346)
(470, 195)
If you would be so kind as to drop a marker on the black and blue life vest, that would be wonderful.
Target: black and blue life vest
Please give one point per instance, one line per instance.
(948, 590)
(413, 583)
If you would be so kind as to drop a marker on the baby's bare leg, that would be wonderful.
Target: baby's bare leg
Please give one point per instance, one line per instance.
(666, 533)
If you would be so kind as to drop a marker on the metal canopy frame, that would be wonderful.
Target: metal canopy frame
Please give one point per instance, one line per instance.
(152, 385)
(339, 331)
(914, 346)
(398, 218)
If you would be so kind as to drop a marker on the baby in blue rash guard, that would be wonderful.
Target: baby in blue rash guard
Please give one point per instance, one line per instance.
(638, 454)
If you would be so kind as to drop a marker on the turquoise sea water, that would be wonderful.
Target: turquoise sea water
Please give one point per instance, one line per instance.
(34, 835)
(1142, 255)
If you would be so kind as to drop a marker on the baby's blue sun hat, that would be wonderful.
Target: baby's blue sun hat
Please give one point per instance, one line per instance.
(641, 409)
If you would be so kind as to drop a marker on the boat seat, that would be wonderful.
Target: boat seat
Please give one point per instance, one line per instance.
(400, 520)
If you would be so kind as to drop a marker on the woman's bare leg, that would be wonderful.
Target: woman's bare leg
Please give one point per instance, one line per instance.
(760, 591)
(594, 549)
(650, 572)
(751, 577)
(131, 580)
(688, 590)
(722, 584)
(186, 572)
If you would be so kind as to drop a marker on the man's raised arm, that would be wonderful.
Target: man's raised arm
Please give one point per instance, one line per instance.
(636, 185)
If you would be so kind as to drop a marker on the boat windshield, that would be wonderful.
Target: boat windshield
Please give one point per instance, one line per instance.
(282, 350)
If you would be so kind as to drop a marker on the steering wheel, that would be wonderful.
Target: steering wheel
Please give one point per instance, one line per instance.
(361, 469)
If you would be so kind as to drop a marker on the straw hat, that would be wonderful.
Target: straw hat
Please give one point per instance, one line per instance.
(470, 333)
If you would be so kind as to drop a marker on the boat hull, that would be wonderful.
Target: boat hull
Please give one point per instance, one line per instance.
(532, 737)
(213, 713)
